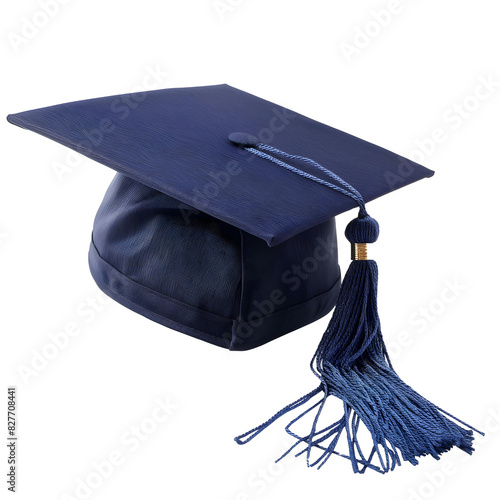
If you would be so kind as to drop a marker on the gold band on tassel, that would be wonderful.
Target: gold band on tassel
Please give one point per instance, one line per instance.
(359, 251)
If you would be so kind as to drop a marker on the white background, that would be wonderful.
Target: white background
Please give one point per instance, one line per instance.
(393, 87)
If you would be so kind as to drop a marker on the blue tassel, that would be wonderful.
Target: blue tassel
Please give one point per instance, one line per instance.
(353, 365)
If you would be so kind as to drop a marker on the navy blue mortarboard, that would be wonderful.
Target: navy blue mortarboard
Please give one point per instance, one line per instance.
(220, 224)
(202, 236)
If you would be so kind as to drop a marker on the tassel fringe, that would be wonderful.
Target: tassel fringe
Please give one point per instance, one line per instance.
(353, 365)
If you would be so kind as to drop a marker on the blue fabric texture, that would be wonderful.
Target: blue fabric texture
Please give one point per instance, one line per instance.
(176, 141)
(193, 273)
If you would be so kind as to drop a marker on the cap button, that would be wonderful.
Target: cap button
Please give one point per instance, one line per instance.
(243, 139)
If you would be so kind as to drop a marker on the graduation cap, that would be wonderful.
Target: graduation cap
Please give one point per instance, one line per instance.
(220, 224)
